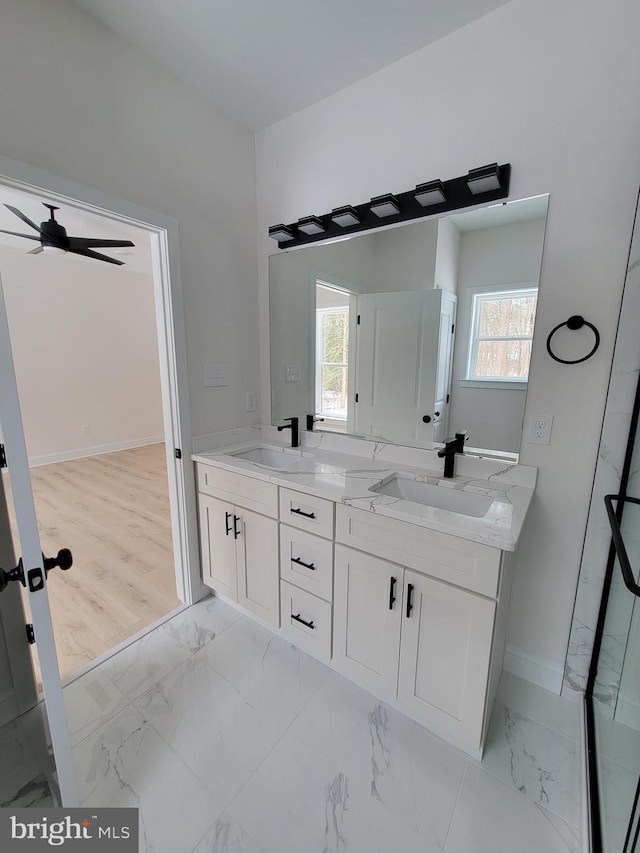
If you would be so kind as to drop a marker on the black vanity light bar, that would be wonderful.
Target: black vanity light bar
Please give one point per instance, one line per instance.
(487, 183)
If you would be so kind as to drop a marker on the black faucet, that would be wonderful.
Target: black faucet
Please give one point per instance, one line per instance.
(293, 426)
(448, 452)
(311, 420)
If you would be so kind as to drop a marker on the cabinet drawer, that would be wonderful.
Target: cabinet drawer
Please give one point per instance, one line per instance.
(245, 491)
(457, 561)
(315, 515)
(306, 561)
(298, 607)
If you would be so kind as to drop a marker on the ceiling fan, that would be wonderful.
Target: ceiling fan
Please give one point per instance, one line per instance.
(53, 238)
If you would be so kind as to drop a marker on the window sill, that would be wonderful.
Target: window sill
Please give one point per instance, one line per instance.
(497, 385)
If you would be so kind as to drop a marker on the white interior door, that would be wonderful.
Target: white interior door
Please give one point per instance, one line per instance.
(33, 564)
(397, 361)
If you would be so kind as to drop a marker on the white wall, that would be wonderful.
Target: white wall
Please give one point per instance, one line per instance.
(552, 88)
(86, 353)
(491, 257)
(81, 103)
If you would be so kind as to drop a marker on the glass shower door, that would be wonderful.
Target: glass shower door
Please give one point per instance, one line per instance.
(615, 677)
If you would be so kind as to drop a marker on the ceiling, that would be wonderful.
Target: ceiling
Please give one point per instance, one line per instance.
(79, 223)
(260, 61)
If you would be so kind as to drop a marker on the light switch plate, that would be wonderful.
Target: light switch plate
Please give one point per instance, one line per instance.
(250, 399)
(216, 375)
(293, 373)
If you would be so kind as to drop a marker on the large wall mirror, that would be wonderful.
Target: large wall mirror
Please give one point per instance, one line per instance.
(411, 333)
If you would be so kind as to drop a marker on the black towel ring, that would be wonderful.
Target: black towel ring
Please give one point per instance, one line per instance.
(573, 323)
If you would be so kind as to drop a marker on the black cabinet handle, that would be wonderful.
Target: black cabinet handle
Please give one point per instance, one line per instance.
(300, 512)
(236, 532)
(227, 516)
(298, 618)
(409, 597)
(392, 598)
(300, 563)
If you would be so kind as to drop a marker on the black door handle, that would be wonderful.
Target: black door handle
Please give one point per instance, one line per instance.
(426, 419)
(63, 559)
(392, 598)
(227, 526)
(236, 532)
(301, 563)
(409, 597)
(300, 512)
(308, 624)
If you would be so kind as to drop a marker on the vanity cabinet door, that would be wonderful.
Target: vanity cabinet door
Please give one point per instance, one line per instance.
(257, 565)
(444, 656)
(218, 546)
(367, 619)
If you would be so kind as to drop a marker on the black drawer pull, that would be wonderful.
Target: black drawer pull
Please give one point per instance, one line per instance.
(300, 563)
(392, 587)
(409, 597)
(236, 532)
(227, 516)
(301, 512)
(298, 618)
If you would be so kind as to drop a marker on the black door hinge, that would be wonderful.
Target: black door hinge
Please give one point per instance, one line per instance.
(3, 457)
(178, 453)
(358, 323)
(31, 636)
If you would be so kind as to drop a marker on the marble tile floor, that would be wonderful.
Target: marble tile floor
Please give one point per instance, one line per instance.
(230, 740)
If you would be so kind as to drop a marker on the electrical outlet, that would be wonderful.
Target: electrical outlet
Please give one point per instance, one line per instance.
(216, 375)
(86, 429)
(539, 429)
(251, 401)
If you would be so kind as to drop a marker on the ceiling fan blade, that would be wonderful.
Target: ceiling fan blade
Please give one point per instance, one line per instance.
(24, 218)
(36, 251)
(15, 234)
(89, 243)
(87, 253)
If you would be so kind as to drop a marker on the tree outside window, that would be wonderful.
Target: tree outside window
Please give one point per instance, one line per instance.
(501, 334)
(332, 352)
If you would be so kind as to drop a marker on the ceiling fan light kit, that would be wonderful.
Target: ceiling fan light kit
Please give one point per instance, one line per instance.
(54, 240)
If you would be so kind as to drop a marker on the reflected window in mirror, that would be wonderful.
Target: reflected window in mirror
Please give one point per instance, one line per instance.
(501, 334)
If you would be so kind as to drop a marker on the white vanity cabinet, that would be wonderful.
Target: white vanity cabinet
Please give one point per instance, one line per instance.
(419, 640)
(239, 546)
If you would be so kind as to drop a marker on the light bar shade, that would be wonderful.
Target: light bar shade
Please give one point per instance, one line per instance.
(430, 199)
(345, 216)
(280, 233)
(310, 225)
(484, 180)
(384, 205)
(430, 193)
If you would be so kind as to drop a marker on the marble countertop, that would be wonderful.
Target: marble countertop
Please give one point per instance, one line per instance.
(347, 478)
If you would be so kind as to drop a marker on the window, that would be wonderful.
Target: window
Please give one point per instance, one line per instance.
(501, 333)
(332, 358)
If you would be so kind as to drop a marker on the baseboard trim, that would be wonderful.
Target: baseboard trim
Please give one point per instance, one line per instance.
(544, 673)
(98, 450)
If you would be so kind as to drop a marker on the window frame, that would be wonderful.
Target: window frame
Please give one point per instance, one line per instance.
(478, 296)
(319, 363)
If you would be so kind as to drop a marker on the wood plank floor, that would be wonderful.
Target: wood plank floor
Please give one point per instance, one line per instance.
(112, 512)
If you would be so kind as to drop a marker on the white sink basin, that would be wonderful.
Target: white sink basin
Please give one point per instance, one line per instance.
(439, 497)
(269, 457)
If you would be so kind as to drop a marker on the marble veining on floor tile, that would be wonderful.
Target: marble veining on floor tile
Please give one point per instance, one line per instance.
(90, 701)
(539, 763)
(228, 836)
(198, 625)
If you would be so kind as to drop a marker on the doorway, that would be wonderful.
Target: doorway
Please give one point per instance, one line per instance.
(123, 498)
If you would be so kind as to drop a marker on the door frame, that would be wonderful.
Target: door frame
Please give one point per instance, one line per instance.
(167, 283)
